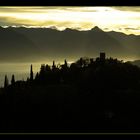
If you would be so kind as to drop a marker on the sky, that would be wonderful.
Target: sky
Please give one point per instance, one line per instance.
(120, 19)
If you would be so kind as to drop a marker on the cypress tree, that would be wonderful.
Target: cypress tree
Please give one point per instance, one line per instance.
(31, 73)
(13, 79)
(66, 64)
(6, 83)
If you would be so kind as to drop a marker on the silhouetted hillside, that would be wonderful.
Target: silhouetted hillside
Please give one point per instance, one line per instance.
(31, 44)
(89, 95)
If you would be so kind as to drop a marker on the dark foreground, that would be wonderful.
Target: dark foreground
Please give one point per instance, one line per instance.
(63, 109)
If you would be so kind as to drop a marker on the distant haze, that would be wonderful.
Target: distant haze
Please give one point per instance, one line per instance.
(37, 45)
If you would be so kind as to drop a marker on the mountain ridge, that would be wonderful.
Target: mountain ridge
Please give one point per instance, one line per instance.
(68, 28)
(37, 44)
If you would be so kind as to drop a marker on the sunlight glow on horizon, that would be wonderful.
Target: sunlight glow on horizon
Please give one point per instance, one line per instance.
(120, 19)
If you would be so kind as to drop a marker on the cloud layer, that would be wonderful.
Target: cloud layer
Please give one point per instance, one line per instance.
(121, 19)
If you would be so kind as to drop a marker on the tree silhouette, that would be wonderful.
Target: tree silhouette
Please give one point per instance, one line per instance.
(53, 66)
(47, 69)
(13, 80)
(6, 82)
(66, 64)
(37, 76)
(31, 73)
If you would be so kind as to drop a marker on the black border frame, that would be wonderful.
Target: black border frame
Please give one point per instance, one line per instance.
(69, 3)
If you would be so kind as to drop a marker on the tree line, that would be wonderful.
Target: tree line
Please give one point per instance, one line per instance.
(101, 72)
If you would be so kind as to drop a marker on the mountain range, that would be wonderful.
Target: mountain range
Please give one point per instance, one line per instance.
(20, 44)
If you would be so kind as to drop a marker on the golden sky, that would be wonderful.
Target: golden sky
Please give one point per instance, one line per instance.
(121, 19)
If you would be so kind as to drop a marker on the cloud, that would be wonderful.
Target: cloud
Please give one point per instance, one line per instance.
(127, 8)
(10, 21)
(47, 9)
(81, 18)
(132, 28)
